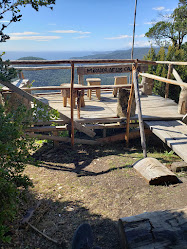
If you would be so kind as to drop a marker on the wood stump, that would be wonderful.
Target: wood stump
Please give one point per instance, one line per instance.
(182, 105)
(154, 230)
(154, 172)
(147, 86)
(122, 105)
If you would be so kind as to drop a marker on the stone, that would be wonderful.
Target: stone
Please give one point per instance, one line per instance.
(179, 166)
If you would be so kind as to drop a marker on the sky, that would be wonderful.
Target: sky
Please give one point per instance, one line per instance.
(85, 25)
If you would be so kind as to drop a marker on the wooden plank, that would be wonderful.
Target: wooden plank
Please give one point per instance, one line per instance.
(62, 139)
(120, 137)
(173, 133)
(154, 77)
(47, 128)
(131, 96)
(33, 99)
(42, 68)
(180, 63)
(48, 62)
(72, 103)
(168, 77)
(176, 75)
(107, 69)
(154, 172)
(139, 109)
(151, 230)
(79, 87)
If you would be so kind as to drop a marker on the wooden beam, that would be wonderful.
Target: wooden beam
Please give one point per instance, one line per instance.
(72, 103)
(180, 63)
(42, 68)
(62, 139)
(48, 62)
(129, 109)
(120, 137)
(33, 99)
(154, 77)
(177, 76)
(79, 87)
(138, 106)
(168, 77)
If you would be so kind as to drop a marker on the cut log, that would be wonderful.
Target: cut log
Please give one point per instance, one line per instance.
(160, 229)
(154, 172)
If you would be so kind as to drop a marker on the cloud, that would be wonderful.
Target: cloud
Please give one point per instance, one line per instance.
(24, 33)
(143, 43)
(81, 37)
(140, 36)
(118, 37)
(150, 23)
(159, 8)
(4, 21)
(34, 38)
(52, 24)
(69, 32)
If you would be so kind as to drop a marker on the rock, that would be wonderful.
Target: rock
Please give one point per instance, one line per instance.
(179, 166)
(184, 119)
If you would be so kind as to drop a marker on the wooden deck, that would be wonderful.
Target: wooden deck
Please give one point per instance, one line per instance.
(173, 133)
(153, 107)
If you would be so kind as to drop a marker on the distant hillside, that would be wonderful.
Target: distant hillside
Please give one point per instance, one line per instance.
(30, 58)
(57, 77)
(119, 54)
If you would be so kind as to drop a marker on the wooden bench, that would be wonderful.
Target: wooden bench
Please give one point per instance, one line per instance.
(66, 96)
(119, 80)
(94, 82)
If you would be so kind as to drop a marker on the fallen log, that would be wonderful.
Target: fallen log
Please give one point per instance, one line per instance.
(159, 229)
(154, 172)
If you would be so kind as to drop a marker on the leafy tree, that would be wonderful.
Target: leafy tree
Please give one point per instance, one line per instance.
(13, 7)
(173, 30)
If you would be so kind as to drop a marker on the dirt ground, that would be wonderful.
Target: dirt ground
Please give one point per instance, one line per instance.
(93, 184)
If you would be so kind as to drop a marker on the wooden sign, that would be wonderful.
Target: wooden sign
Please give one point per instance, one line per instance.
(102, 69)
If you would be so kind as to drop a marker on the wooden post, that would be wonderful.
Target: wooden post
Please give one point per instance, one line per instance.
(81, 79)
(129, 110)
(72, 102)
(55, 143)
(170, 69)
(78, 104)
(138, 105)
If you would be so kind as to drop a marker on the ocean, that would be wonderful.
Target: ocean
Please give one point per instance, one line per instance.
(48, 55)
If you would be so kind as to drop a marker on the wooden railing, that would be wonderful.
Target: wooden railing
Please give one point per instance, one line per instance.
(74, 64)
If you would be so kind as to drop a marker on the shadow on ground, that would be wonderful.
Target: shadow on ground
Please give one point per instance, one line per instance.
(59, 221)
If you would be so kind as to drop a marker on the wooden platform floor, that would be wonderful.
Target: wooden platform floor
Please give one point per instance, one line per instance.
(153, 107)
(173, 133)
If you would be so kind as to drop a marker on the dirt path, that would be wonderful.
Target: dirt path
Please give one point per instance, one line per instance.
(96, 185)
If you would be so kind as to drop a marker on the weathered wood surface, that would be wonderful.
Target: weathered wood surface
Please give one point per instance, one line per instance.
(154, 77)
(154, 172)
(154, 230)
(173, 133)
(102, 69)
(61, 139)
(78, 87)
(104, 110)
(33, 99)
(139, 111)
(180, 63)
(170, 69)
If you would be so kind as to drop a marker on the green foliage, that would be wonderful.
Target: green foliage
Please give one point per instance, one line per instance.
(173, 30)
(173, 54)
(31, 58)
(12, 9)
